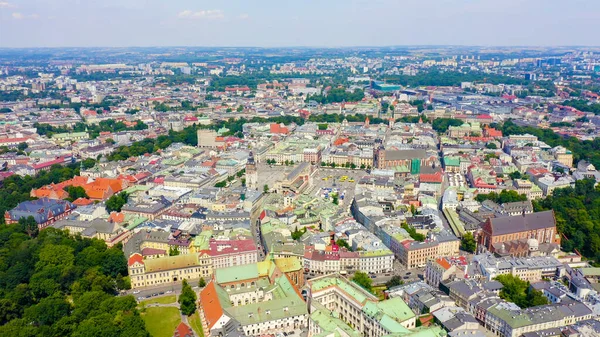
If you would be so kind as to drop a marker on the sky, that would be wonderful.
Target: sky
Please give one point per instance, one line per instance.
(283, 23)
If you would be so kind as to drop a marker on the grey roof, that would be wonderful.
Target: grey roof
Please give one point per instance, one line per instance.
(41, 209)
(405, 154)
(91, 227)
(522, 223)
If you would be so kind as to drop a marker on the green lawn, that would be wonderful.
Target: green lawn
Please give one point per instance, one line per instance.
(161, 321)
(196, 324)
(379, 291)
(160, 300)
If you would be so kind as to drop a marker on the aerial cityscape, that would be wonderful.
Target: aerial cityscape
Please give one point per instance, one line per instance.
(335, 189)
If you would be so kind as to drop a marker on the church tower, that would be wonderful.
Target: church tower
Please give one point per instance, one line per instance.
(251, 174)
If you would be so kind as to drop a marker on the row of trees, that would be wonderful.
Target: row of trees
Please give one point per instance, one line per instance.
(337, 95)
(451, 78)
(53, 284)
(94, 130)
(583, 105)
(504, 197)
(345, 165)
(441, 125)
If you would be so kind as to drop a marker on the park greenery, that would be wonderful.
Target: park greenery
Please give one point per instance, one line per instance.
(451, 78)
(441, 125)
(93, 130)
(53, 284)
(577, 212)
(520, 292)
(337, 95)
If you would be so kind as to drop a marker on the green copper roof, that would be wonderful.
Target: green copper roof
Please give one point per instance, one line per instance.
(236, 273)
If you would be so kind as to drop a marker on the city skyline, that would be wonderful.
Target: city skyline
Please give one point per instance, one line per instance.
(71, 23)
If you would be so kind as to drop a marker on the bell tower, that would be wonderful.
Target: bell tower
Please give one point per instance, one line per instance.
(251, 174)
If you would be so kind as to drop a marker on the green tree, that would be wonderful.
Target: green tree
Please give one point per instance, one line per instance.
(297, 234)
(491, 146)
(343, 243)
(515, 175)
(413, 232)
(240, 108)
(22, 146)
(363, 280)
(29, 226)
(441, 125)
(116, 202)
(88, 163)
(394, 282)
(266, 188)
(202, 283)
(467, 243)
(520, 292)
(187, 299)
(173, 251)
(75, 192)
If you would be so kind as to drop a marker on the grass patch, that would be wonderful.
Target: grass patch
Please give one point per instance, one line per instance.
(379, 292)
(196, 324)
(161, 321)
(160, 300)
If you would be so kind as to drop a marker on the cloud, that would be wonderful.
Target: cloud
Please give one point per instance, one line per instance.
(4, 4)
(244, 16)
(21, 16)
(202, 14)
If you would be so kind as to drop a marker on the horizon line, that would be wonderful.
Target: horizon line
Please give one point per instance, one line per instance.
(309, 47)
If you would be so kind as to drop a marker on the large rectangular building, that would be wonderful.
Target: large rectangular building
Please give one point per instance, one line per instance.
(510, 235)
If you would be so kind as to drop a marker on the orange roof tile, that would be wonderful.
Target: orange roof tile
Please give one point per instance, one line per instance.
(444, 263)
(210, 304)
(82, 202)
(135, 258)
(116, 217)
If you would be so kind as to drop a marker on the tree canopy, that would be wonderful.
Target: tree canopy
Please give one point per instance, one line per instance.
(187, 299)
(503, 197)
(467, 243)
(520, 292)
(441, 125)
(54, 284)
(115, 202)
(338, 95)
(577, 212)
(363, 280)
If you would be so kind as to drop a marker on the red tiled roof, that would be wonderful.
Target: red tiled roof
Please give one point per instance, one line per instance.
(431, 178)
(183, 330)
(135, 258)
(211, 306)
